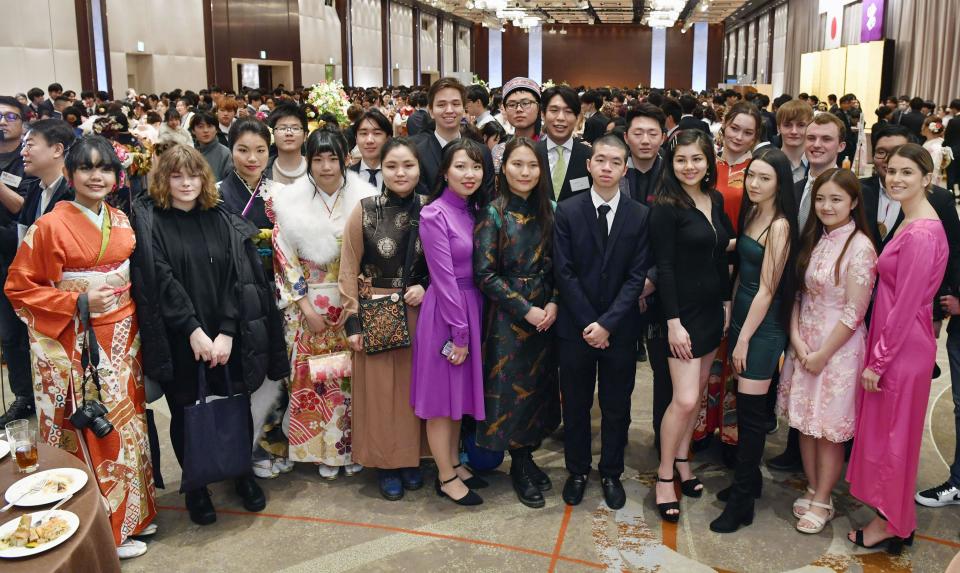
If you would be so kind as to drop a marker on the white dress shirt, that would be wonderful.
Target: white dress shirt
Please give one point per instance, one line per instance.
(46, 194)
(613, 203)
(484, 118)
(365, 173)
(887, 210)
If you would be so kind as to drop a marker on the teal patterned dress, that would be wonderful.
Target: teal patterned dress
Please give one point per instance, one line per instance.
(515, 272)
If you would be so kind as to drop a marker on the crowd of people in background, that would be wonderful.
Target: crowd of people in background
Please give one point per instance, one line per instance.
(520, 245)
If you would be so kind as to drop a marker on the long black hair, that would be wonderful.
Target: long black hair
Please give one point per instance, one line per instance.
(785, 207)
(541, 194)
(474, 151)
(670, 191)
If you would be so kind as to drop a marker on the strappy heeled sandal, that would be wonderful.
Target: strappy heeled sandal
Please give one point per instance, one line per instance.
(818, 521)
(663, 508)
(802, 504)
(688, 487)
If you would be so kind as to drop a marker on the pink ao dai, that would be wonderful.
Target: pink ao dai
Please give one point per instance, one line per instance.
(823, 406)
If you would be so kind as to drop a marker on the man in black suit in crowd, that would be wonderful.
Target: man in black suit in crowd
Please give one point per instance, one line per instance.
(673, 114)
(372, 129)
(688, 104)
(445, 102)
(825, 141)
(565, 156)
(913, 119)
(419, 120)
(601, 258)
(45, 147)
(596, 123)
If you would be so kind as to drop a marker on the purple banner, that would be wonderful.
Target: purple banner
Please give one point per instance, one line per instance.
(871, 21)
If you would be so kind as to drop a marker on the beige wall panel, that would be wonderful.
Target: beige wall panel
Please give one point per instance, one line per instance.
(319, 41)
(401, 43)
(44, 51)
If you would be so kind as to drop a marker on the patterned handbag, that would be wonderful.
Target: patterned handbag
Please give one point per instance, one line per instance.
(383, 321)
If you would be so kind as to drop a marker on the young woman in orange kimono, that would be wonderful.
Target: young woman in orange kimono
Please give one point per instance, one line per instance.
(82, 248)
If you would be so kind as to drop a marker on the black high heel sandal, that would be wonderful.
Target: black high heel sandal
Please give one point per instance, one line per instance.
(470, 499)
(663, 508)
(893, 545)
(473, 482)
(688, 487)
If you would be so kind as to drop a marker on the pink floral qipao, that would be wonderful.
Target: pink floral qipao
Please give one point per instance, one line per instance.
(823, 405)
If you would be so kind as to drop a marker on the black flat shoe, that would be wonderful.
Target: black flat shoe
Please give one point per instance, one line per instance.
(574, 488)
(613, 492)
(527, 491)
(468, 500)
(893, 545)
(250, 492)
(688, 487)
(663, 508)
(473, 482)
(200, 507)
(785, 462)
(738, 512)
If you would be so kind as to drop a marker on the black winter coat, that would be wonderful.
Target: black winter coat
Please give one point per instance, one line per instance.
(261, 344)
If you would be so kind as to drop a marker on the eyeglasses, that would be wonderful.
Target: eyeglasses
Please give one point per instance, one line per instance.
(288, 129)
(522, 104)
(10, 116)
(880, 153)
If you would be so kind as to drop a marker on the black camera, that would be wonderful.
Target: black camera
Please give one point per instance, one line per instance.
(92, 415)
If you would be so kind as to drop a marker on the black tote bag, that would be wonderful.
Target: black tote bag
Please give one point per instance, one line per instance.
(216, 437)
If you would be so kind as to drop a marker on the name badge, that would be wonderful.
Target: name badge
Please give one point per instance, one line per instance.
(579, 184)
(10, 180)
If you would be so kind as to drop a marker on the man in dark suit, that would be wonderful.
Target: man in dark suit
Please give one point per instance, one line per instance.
(419, 120)
(13, 186)
(601, 258)
(595, 124)
(688, 104)
(825, 140)
(445, 102)
(45, 147)
(913, 119)
(372, 130)
(565, 157)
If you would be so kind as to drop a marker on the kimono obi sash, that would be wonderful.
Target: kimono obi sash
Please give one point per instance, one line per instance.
(82, 280)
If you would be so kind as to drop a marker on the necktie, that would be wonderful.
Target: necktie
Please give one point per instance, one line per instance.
(602, 211)
(373, 177)
(559, 173)
(804, 212)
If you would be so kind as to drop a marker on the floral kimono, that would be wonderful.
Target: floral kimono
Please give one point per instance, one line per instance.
(64, 254)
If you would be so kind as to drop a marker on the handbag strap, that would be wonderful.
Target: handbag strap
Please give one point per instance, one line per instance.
(89, 349)
(408, 260)
(203, 390)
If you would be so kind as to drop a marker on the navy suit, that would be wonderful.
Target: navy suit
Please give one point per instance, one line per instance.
(598, 285)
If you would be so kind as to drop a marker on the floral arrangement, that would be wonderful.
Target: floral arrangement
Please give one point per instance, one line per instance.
(329, 97)
(476, 80)
(547, 85)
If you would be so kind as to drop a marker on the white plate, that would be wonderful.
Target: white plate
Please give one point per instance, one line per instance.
(77, 478)
(4, 448)
(9, 527)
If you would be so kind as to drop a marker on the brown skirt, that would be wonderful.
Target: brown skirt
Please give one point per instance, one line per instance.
(386, 433)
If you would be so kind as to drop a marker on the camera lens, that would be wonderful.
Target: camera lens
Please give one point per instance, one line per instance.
(100, 426)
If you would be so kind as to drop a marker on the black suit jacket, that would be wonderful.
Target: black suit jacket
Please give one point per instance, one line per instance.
(690, 122)
(576, 167)
(431, 157)
(912, 120)
(594, 127)
(417, 122)
(596, 285)
(28, 213)
(629, 183)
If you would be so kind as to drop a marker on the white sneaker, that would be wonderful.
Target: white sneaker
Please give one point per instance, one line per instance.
(150, 529)
(263, 469)
(131, 548)
(352, 469)
(943, 494)
(282, 465)
(328, 472)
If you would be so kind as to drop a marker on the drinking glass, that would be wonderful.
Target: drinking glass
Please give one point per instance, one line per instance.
(23, 445)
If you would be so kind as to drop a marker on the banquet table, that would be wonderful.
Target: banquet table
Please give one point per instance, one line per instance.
(90, 549)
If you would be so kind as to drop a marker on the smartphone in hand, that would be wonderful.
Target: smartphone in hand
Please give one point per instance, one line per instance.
(447, 349)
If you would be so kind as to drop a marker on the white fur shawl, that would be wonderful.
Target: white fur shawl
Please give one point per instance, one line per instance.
(303, 219)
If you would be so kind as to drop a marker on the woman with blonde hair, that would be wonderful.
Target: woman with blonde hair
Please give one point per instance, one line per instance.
(203, 301)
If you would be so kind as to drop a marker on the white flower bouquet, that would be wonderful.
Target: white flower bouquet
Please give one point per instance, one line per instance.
(329, 97)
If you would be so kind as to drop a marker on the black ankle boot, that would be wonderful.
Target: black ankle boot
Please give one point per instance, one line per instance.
(251, 494)
(200, 507)
(751, 423)
(524, 456)
(527, 491)
(756, 488)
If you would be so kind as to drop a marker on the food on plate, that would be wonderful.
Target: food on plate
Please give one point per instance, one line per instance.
(56, 484)
(27, 536)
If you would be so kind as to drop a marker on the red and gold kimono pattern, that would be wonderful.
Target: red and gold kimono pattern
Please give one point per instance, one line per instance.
(718, 408)
(62, 256)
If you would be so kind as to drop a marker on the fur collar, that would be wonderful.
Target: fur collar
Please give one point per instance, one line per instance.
(304, 221)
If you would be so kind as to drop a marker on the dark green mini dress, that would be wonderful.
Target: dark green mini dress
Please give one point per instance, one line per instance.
(770, 339)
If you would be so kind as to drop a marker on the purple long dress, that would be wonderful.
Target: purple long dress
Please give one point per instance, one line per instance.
(901, 349)
(451, 310)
